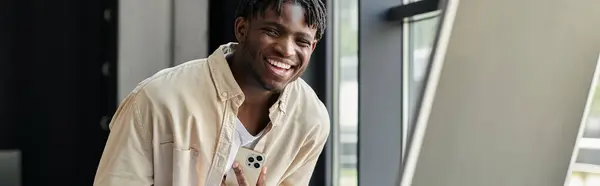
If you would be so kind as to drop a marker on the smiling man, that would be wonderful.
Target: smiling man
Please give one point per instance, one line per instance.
(184, 125)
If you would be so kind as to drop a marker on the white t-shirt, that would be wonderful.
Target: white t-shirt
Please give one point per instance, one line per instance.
(241, 138)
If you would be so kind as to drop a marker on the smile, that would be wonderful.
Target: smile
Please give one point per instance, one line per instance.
(278, 68)
(279, 64)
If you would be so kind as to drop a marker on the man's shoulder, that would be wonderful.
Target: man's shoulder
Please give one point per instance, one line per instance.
(309, 105)
(176, 80)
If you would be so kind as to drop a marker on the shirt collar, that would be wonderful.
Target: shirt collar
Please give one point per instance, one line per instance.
(224, 82)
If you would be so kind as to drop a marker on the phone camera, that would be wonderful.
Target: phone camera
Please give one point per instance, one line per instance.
(259, 158)
(257, 165)
(251, 159)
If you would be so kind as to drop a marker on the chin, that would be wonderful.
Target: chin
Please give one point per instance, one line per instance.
(270, 84)
(274, 87)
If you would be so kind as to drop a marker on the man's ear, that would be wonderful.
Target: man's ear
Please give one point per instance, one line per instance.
(314, 44)
(240, 29)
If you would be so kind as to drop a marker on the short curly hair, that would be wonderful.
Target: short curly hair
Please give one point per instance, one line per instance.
(315, 12)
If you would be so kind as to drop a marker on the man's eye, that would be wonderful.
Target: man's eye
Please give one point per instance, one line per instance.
(271, 32)
(303, 43)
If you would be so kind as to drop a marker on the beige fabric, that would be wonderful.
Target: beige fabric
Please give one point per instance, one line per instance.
(176, 128)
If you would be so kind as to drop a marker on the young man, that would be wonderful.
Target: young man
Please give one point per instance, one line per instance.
(184, 125)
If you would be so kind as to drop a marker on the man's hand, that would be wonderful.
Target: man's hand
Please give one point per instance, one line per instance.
(241, 179)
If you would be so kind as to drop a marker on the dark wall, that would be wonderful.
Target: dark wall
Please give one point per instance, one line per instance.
(6, 17)
(53, 92)
(221, 22)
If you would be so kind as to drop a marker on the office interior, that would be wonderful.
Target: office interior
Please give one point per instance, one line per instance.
(65, 65)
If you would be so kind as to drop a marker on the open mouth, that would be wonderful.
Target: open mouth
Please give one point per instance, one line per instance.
(279, 68)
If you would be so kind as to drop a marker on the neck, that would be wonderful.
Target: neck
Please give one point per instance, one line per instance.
(254, 93)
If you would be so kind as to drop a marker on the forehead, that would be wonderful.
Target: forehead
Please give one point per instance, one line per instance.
(288, 12)
(290, 15)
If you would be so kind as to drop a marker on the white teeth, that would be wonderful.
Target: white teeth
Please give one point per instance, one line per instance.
(279, 64)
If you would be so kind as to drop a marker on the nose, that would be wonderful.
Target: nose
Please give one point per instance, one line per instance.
(285, 47)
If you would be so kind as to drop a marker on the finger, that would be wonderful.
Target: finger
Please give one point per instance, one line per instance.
(239, 174)
(262, 177)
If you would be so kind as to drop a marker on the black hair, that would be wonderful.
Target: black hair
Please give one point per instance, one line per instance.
(315, 12)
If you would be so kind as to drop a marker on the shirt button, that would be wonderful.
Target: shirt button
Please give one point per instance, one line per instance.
(224, 94)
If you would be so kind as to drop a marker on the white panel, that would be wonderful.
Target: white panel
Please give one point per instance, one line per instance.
(191, 30)
(511, 94)
(144, 41)
(10, 167)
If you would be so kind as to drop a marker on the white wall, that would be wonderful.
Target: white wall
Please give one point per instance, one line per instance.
(511, 93)
(144, 41)
(155, 34)
(10, 167)
(191, 30)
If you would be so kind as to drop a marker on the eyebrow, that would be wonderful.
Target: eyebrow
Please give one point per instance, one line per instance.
(281, 27)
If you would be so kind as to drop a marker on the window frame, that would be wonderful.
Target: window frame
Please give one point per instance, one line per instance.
(369, 167)
(373, 17)
(382, 37)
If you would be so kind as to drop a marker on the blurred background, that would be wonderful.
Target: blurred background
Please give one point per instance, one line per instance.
(66, 64)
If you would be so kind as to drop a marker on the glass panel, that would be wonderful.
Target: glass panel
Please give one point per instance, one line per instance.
(584, 179)
(422, 34)
(588, 156)
(592, 127)
(345, 31)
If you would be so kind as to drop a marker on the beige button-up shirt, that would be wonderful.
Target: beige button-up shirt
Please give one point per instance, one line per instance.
(176, 129)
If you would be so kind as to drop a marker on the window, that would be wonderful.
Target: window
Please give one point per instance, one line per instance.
(586, 169)
(392, 58)
(420, 32)
(378, 87)
(345, 47)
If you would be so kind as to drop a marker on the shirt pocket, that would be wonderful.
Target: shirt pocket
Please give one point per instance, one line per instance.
(175, 167)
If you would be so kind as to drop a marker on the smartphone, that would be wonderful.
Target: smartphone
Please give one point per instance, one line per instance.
(251, 163)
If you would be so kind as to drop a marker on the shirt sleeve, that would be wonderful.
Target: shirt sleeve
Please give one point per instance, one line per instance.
(127, 156)
(312, 149)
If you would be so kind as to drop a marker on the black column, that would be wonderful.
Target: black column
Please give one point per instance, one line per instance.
(53, 91)
(7, 18)
(221, 22)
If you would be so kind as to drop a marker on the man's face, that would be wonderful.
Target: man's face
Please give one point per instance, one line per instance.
(277, 47)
